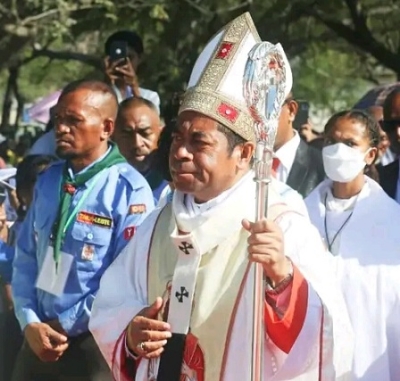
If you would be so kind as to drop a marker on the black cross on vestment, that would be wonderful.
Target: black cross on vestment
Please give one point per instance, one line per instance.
(183, 294)
(185, 247)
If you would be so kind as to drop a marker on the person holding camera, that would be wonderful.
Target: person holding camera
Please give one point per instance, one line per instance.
(124, 53)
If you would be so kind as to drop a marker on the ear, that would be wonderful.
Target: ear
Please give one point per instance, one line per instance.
(293, 107)
(108, 129)
(371, 156)
(244, 154)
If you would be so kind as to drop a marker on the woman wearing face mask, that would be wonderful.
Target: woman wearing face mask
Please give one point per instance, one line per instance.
(359, 224)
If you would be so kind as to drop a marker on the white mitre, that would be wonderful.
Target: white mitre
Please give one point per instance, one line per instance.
(216, 82)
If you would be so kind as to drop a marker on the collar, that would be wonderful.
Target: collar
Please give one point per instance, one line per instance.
(287, 152)
(333, 204)
(195, 209)
(71, 172)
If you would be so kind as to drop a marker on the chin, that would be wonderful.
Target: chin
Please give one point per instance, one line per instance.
(141, 165)
(184, 186)
(64, 153)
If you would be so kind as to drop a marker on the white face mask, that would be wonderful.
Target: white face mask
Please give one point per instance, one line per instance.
(343, 163)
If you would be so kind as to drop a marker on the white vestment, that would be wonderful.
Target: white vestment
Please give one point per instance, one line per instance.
(124, 293)
(368, 266)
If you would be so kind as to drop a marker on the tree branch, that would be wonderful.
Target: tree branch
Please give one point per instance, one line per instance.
(362, 39)
(40, 16)
(202, 10)
(66, 56)
(358, 17)
(234, 7)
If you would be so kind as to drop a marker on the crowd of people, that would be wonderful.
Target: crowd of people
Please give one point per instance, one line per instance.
(127, 237)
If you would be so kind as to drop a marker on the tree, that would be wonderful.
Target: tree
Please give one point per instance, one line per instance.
(340, 43)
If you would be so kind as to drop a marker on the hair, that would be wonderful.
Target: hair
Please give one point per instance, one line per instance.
(371, 125)
(137, 101)
(88, 84)
(387, 104)
(132, 39)
(232, 137)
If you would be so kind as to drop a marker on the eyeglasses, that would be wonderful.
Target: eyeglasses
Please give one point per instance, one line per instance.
(390, 125)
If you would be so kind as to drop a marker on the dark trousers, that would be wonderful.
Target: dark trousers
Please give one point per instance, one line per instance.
(82, 361)
(10, 343)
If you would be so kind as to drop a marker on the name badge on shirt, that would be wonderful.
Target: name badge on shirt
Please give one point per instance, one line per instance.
(51, 280)
(94, 219)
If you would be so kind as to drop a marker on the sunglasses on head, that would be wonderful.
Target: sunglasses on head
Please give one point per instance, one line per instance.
(390, 125)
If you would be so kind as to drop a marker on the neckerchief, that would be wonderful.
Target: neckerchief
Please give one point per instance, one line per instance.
(69, 187)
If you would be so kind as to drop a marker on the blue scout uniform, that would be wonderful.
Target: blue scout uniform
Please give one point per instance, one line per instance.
(105, 213)
(7, 252)
(6, 257)
(156, 182)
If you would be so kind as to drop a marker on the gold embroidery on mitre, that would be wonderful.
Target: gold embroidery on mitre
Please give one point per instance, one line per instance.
(205, 97)
(207, 103)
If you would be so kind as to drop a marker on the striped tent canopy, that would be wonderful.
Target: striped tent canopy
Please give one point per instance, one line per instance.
(376, 96)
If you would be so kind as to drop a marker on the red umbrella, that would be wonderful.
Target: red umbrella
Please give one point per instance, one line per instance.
(376, 96)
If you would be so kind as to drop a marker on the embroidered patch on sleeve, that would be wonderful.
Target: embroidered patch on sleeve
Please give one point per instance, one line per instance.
(137, 209)
(129, 232)
(94, 219)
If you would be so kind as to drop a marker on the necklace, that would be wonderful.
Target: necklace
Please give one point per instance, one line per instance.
(330, 244)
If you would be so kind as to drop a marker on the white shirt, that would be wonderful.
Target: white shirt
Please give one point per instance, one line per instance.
(150, 95)
(291, 197)
(286, 155)
(338, 214)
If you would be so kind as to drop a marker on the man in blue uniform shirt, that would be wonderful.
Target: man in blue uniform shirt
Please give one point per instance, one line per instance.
(85, 210)
(137, 131)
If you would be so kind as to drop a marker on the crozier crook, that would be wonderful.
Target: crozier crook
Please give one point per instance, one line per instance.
(264, 88)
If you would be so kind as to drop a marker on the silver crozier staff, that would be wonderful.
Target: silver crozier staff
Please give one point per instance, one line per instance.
(264, 85)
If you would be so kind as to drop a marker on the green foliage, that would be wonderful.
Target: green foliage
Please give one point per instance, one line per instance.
(328, 78)
(336, 47)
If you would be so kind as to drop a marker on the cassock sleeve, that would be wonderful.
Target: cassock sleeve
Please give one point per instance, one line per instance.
(294, 336)
(122, 295)
(283, 330)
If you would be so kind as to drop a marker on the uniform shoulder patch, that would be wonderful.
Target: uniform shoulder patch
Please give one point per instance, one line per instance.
(137, 209)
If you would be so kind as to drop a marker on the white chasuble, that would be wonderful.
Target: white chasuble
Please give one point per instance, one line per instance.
(215, 311)
(368, 266)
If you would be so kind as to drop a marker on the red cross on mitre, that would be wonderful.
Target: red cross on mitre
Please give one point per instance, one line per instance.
(228, 112)
(224, 50)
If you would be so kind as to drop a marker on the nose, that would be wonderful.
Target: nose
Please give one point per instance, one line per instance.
(181, 152)
(138, 141)
(61, 128)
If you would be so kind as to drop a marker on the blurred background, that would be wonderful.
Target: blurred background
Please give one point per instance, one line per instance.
(339, 49)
